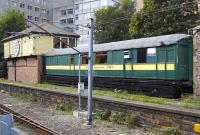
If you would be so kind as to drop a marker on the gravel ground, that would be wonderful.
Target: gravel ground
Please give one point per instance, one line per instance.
(65, 124)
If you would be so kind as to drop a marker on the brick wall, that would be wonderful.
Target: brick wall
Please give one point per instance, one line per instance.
(28, 69)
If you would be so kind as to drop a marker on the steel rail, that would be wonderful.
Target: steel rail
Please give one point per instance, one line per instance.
(38, 128)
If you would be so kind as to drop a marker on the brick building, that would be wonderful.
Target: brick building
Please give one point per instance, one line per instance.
(24, 52)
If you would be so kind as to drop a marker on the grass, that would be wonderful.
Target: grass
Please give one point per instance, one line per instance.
(187, 101)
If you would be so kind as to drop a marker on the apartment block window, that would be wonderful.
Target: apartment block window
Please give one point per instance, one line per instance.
(63, 22)
(30, 17)
(77, 6)
(14, 4)
(70, 21)
(44, 20)
(44, 11)
(76, 27)
(37, 9)
(36, 19)
(70, 11)
(86, 6)
(63, 12)
(22, 5)
(104, 2)
(76, 17)
(30, 7)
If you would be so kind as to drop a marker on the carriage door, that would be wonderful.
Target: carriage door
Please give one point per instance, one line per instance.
(127, 64)
(72, 64)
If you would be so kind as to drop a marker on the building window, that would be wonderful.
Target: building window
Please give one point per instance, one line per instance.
(30, 7)
(101, 58)
(141, 55)
(44, 11)
(86, 6)
(76, 17)
(37, 9)
(22, 5)
(71, 59)
(44, 20)
(36, 19)
(70, 11)
(76, 27)
(63, 22)
(95, 4)
(77, 6)
(14, 4)
(104, 3)
(72, 42)
(63, 12)
(85, 59)
(56, 43)
(30, 17)
(64, 42)
(70, 21)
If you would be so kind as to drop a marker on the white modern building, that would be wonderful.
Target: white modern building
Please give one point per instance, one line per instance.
(35, 10)
(75, 15)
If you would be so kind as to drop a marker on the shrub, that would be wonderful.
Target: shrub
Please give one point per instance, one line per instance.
(104, 115)
(133, 122)
(118, 117)
(170, 131)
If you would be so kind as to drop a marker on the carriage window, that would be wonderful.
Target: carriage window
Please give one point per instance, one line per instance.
(101, 58)
(151, 52)
(85, 59)
(72, 59)
(127, 54)
(141, 55)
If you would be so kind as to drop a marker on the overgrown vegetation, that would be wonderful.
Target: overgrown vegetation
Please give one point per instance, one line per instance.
(66, 110)
(170, 131)
(131, 121)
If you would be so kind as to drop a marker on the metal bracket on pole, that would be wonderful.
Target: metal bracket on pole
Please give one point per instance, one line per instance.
(90, 71)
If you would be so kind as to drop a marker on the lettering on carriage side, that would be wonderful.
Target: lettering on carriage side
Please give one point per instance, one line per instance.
(136, 67)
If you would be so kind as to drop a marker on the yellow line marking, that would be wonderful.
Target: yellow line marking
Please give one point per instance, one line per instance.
(136, 67)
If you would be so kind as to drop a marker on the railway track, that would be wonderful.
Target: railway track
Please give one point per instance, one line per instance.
(38, 128)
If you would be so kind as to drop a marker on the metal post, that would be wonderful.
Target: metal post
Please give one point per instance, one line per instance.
(79, 82)
(90, 72)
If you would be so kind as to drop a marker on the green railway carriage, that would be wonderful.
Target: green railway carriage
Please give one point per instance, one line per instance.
(165, 58)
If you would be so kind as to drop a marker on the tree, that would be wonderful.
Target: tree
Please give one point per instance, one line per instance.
(106, 31)
(159, 17)
(12, 21)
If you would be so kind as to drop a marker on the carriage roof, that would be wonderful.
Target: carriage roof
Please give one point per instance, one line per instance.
(125, 45)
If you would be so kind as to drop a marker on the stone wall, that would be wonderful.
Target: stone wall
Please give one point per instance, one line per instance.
(149, 114)
(28, 69)
(196, 65)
